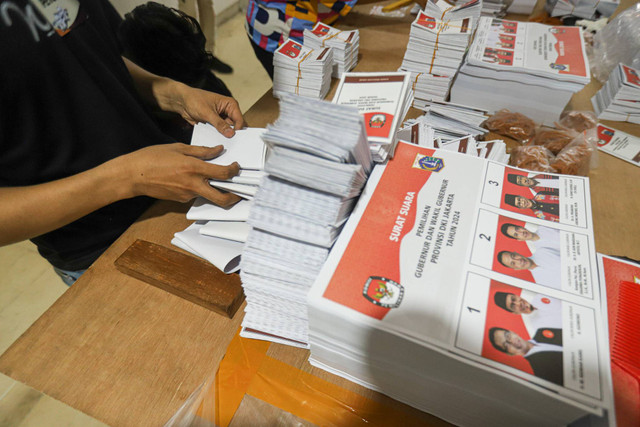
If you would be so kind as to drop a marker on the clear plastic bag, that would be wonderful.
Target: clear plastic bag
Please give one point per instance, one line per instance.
(514, 125)
(532, 157)
(577, 120)
(618, 42)
(579, 156)
(553, 139)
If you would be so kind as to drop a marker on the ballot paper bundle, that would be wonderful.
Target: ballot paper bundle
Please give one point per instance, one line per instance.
(580, 8)
(436, 46)
(383, 99)
(530, 68)
(318, 163)
(438, 39)
(412, 303)
(493, 8)
(302, 70)
(343, 44)
(619, 98)
(452, 121)
(218, 234)
(453, 128)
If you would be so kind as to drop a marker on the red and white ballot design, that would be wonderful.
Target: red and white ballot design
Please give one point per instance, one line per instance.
(409, 259)
(537, 48)
(379, 97)
(619, 144)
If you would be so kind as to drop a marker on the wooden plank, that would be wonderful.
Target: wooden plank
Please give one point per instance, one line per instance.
(183, 275)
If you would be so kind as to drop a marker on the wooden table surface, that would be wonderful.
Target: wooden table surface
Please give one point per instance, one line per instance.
(130, 354)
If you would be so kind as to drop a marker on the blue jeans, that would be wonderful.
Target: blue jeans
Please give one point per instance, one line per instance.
(68, 277)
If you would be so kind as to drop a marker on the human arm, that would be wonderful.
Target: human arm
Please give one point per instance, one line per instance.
(172, 172)
(193, 105)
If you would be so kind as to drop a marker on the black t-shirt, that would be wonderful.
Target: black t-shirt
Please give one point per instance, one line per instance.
(68, 104)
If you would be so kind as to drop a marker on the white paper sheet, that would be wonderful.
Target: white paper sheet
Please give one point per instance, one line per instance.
(222, 253)
(245, 147)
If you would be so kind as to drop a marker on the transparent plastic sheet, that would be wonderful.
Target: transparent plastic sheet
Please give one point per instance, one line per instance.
(514, 125)
(247, 373)
(618, 42)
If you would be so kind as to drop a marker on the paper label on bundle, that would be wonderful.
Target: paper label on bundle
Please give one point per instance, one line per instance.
(631, 76)
(435, 25)
(293, 50)
(379, 97)
(619, 144)
(531, 47)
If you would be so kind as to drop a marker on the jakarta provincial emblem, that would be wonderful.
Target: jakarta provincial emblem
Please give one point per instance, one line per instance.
(428, 163)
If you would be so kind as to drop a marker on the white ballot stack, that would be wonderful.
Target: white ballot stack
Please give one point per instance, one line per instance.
(453, 128)
(580, 8)
(344, 45)
(383, 99)
(318, 163)
(529, 68)
(218, 234)
(619, 98)
(302, 70)
(437, 42)
(444, 293)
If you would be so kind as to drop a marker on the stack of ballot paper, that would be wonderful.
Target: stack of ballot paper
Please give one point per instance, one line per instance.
(438, 39)
(580, 8)
(493, 8)
(218, 234)
(530, 68)
(383, 99)
(453, 130)
(414, 300)
(318, 163)
(522, 7)
(344, 45)
(619, 98)
(451, 121)
(302, 70)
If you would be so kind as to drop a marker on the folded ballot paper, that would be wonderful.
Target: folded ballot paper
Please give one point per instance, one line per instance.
(530, 68)
(318, 163)
(344, 45)
(619, 98)
(302, 70)
(219, 233)
(427, 296)
(222, 253)
(383, 99)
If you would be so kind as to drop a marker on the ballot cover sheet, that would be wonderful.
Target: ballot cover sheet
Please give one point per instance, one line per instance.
(439, 250)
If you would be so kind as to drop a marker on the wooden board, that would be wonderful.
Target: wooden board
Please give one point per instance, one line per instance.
(193, 279)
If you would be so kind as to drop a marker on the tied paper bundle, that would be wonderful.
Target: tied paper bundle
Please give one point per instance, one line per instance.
(218, 234)
(438, 39)
(533, 69)
(318, 163)
(619, 98)
(453, 128)
(302, 70)
(580, 8)
(344, 45)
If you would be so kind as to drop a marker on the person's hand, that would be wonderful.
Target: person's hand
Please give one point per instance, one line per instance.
(175, 172)
(196, 105)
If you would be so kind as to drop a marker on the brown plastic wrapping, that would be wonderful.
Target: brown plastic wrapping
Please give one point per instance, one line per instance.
(579, 156)
(514, 125)
(553, 139)
(532, 157)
